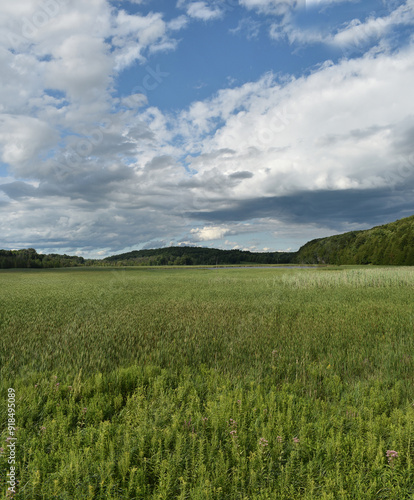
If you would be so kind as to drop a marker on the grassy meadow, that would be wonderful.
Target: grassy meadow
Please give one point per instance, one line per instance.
(186, 383)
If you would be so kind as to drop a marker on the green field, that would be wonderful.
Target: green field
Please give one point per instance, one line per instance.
(150, 383)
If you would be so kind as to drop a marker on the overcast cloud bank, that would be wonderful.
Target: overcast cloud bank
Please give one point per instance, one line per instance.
(267, 164)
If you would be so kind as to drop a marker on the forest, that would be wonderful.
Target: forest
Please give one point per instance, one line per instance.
(389, 244)
(29, 258)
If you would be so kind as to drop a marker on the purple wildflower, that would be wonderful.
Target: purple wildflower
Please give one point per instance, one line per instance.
(391, 455)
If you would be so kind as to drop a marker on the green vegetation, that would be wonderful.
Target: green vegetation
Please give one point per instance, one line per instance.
(178, 256)
(390, 244)
(171, 256)
(149, 383)
(29, 258)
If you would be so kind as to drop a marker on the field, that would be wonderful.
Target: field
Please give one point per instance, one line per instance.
(151, 383)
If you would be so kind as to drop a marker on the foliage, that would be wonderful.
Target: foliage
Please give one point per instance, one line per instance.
(10, 259)
(198, 256)
(209, 384)
(390, 244)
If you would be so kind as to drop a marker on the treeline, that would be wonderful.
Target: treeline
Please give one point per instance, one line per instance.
(187, 256)
(390, 244)
(29, 258)
(171, 256)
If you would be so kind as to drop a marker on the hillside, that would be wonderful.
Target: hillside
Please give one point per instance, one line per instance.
(389, 244)
(198, 256)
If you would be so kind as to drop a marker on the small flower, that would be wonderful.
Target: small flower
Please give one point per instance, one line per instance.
(239, 401)
(263, 442)
(187, 425)
(1, 450)
(36, 385)
(205, 419)
(58, 384)
(233, 433)
(296, 440)
(274, 352)
(391, 455)
(279, 439)
(43, 428)
(86, 409)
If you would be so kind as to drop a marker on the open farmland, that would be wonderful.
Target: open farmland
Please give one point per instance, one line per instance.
(151, 383)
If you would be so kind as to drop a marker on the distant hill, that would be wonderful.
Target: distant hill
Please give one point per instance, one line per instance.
(198, 256)
(390, 244)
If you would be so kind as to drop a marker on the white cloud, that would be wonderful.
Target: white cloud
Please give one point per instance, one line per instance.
(135, 34)
(201, 10)
(209, 233)
(24, 138)
(274, 7)
(60, 70)
(355, 34)
(248, 27)
(317, 3)
(178, 23)
(325, 131)
(87, 170)
(81, 67)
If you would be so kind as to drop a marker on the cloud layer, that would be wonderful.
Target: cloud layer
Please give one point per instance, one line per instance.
(289, 158)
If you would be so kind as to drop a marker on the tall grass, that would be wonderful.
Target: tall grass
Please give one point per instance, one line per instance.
(189, 383)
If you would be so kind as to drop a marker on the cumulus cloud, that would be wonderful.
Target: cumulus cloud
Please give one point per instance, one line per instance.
(201, 10)
(311, 145)
(355, 34)
(301, 156)
(22, 138)
(209, 233)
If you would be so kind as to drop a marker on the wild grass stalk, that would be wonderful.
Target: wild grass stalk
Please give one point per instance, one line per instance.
(209, 384)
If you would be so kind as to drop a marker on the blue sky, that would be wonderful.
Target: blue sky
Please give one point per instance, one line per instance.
(253, 124)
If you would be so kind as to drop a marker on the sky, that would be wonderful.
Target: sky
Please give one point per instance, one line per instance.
(250, 124)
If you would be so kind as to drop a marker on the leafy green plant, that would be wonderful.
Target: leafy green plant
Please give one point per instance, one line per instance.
(204, 384)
